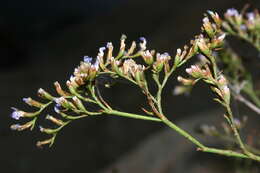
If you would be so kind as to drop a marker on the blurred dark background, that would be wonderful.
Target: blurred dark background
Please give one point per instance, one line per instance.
(42, 41)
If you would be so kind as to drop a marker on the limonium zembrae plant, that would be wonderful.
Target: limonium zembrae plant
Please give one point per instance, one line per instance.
(82, 90)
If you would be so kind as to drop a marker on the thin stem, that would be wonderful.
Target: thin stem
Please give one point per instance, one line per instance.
(247, 103)
(202, 147)
(252, 95)
(182, 132)
(131, 115)
(92, 91)
(238, 138)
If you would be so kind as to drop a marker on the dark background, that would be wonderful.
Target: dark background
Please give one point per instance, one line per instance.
(42, 41)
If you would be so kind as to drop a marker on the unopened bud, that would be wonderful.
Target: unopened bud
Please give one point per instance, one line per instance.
(55, 120)
(32, 102)
(78, 103)
(59, 90)
(42, 93)
(147, 57)
(208, 27)
(45, 142)
(185, 81)
(203, 47)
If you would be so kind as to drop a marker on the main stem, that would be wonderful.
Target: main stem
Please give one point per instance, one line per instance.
(238, 138)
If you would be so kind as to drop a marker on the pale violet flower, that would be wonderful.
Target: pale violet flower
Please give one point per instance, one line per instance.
(87, 59)
(232, 12)
(16, 114)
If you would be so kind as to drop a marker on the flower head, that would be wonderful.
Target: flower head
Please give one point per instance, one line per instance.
(232, 12)
(251, 16)
(16, 114)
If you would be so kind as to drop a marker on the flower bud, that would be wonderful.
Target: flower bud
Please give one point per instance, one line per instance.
(203, 47)
(143, 43)
(110, 51)
(226, 94)
(185, 81)
(17, 114)
(59, 90)
(42, 93)
(78, 103)
(45, 142)
(208, 27)
(195, 71)
(131, 49)
(218, 42)
(64, 103)
(55, 120)
(161, 60)
(122, 43)
(222, 80)
(147, 57)
(19, 127)
(216, 18)
(115, 65)
(47, 130)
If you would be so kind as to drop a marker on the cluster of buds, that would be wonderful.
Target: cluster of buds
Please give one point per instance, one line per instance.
(222, 89)
(162, 60)
(71, 101)
(148, 56)
(182, 56)
(133, 70)
(244, 25)
(198, 72)
(219, 84)
(86, 71)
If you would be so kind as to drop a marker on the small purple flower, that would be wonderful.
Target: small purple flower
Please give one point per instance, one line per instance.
(87, 59)
(27, 100)
(57, 108)
(16, 114)
(142, 39)
(251, 16)
(60, 100)
(143, 44)
(232, 12)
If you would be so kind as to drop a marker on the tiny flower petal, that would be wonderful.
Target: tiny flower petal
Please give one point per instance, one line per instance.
(232, 12)
(87, 59)
(16, 114)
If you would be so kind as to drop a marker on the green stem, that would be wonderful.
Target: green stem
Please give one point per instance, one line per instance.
(131, 115)
(238, 138)
(200, 145)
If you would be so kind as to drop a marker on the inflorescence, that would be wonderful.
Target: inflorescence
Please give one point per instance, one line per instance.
(71, 104)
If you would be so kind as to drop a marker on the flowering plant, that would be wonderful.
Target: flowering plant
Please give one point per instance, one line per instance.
(218, 66)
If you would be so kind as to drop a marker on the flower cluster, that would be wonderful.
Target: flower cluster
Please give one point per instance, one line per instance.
(243, 25)
(134, 66)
